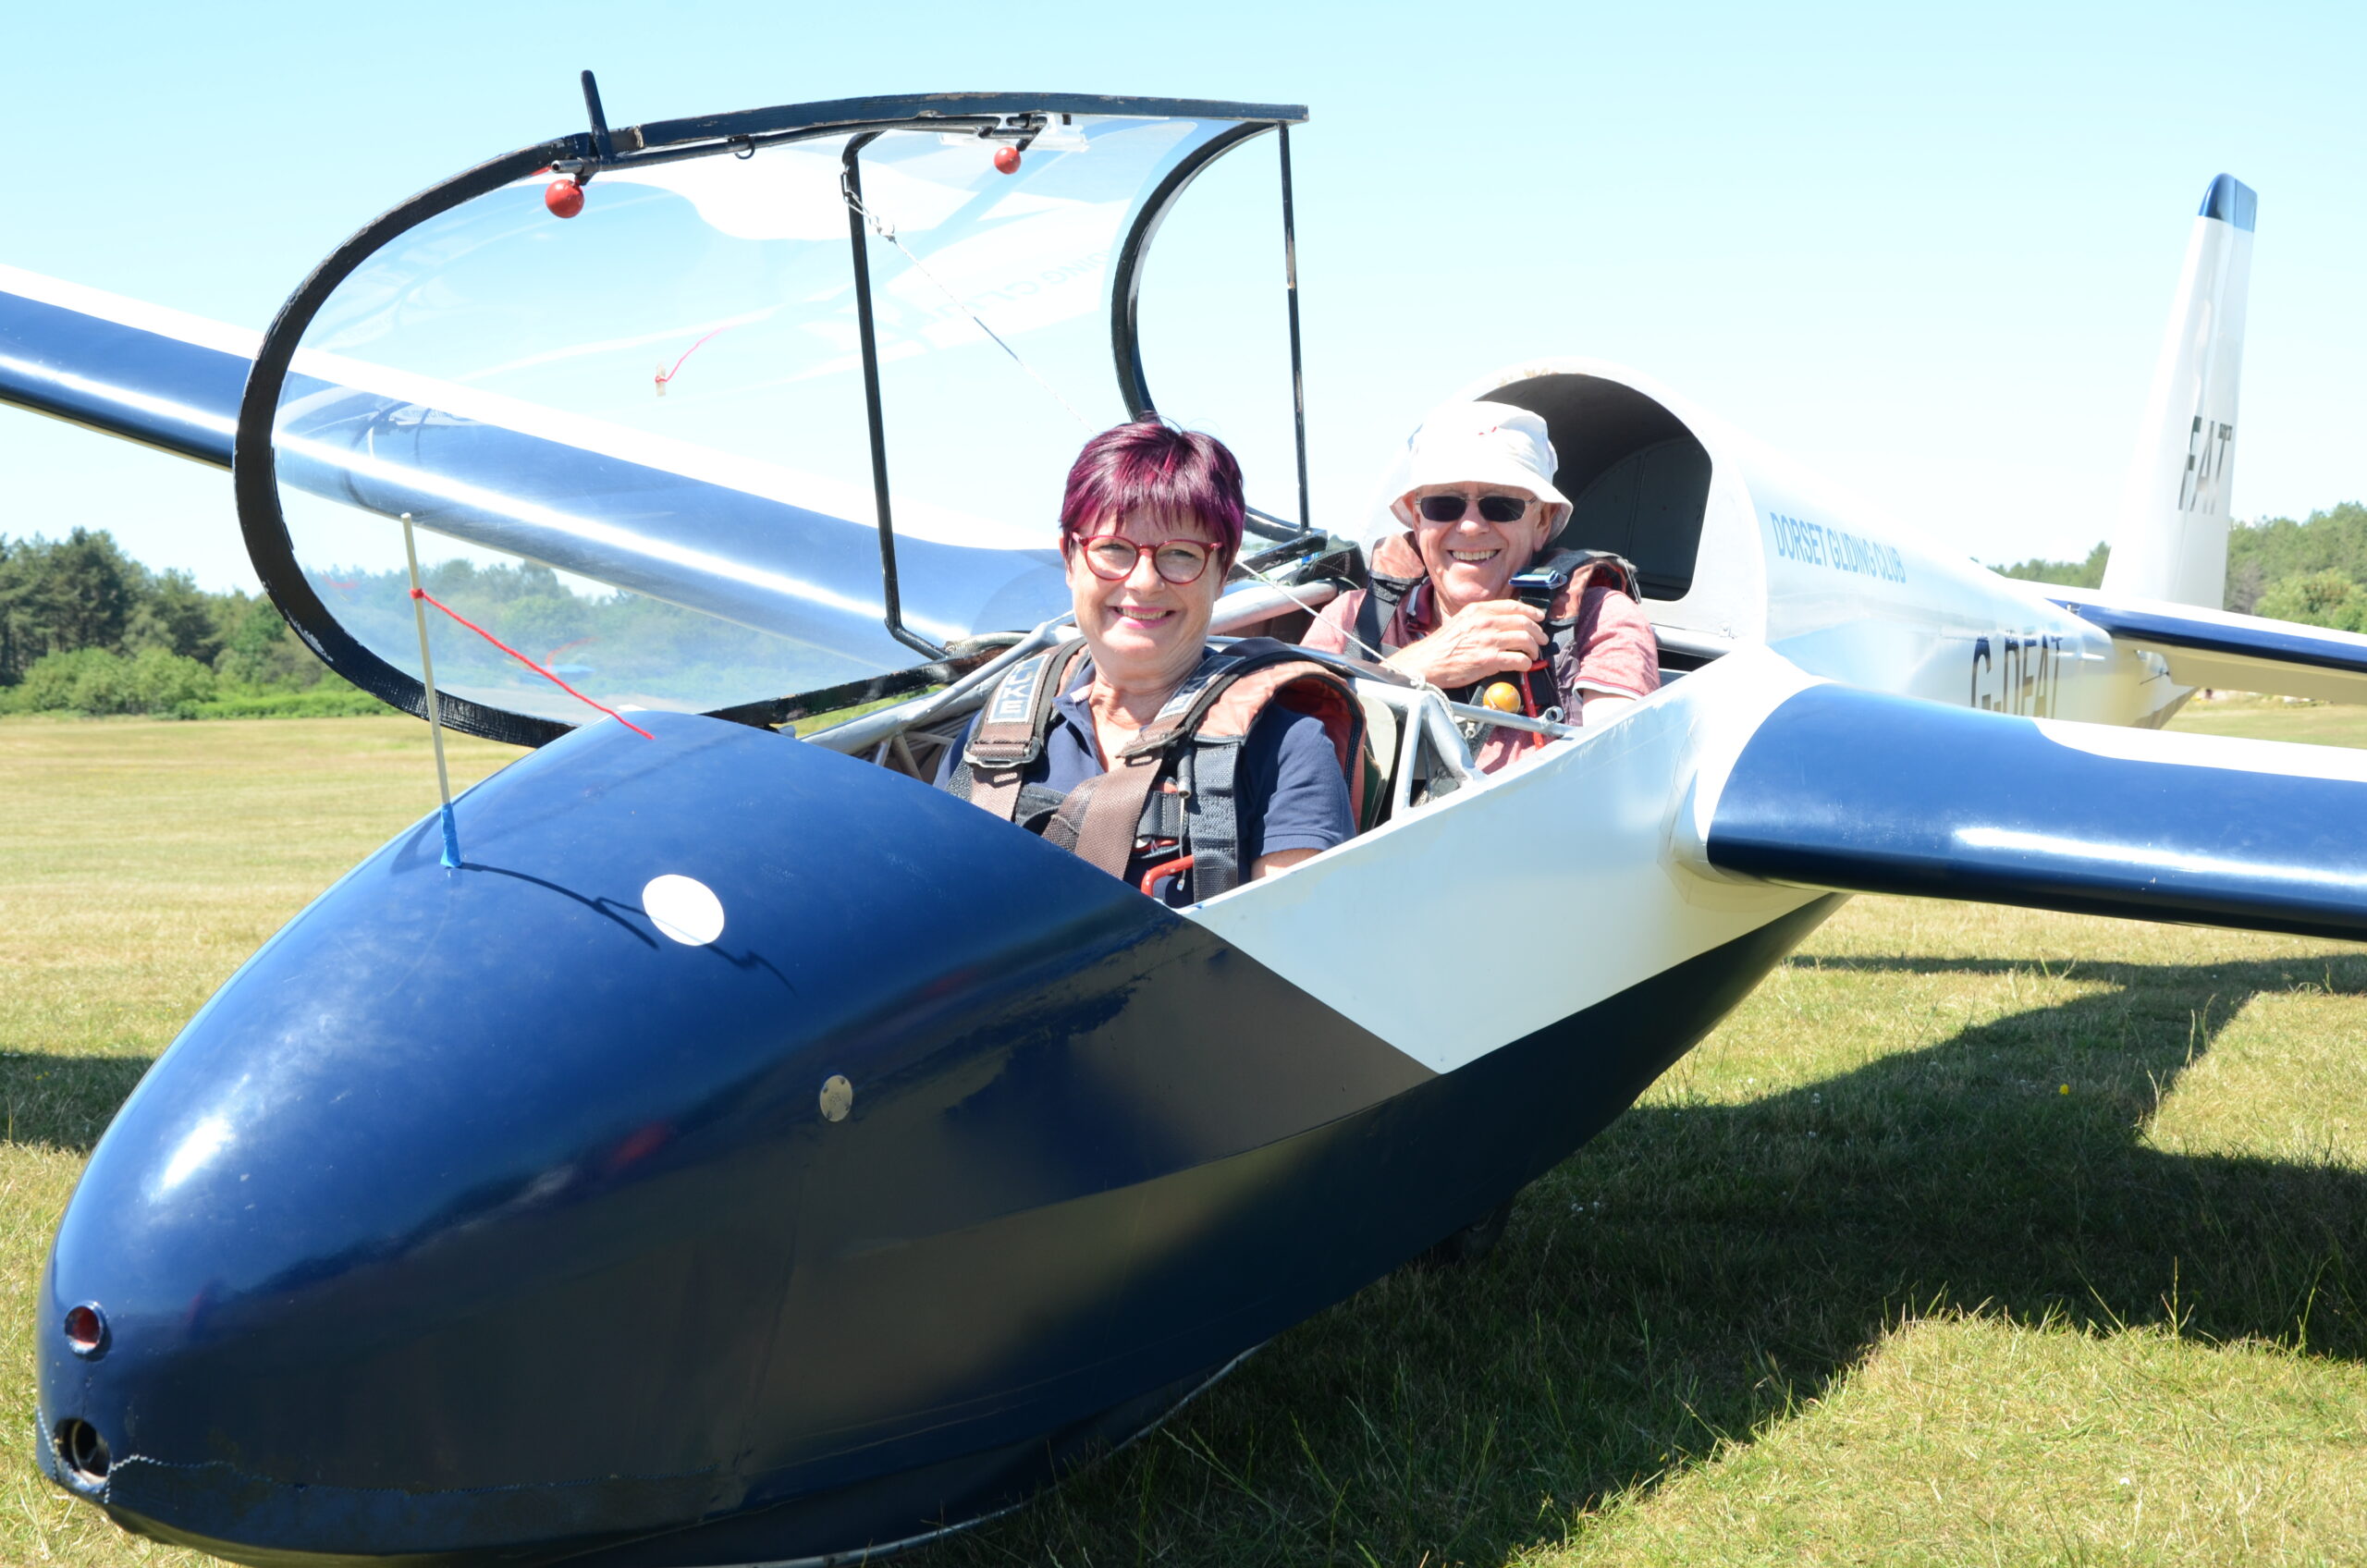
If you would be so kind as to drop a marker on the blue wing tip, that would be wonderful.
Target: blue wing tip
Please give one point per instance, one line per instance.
(2231, 201)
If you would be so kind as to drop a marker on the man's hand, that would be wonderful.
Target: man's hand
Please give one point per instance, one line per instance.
(1493, 637)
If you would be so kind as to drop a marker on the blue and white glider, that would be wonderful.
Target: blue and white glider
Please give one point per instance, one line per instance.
(750, 1154)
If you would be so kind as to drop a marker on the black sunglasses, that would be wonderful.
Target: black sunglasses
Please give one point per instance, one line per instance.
(1494, 508)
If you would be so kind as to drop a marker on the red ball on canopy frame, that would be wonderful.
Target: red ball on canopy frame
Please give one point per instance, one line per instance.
(564, 198)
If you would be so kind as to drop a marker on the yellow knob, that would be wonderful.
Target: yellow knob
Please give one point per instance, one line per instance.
(1503, 696)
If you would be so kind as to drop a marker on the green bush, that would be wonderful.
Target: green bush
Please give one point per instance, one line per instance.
(326, 700)
(2264, 556)
(2089, 573)
(155, 680)
(2317, 598)
(94, 680)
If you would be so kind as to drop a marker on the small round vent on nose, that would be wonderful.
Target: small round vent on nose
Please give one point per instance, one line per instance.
(86, 1329)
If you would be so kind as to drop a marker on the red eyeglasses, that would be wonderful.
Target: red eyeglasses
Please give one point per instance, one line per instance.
(1112, 557)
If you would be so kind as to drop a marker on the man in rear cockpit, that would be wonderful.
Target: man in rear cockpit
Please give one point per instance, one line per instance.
(1479, 511)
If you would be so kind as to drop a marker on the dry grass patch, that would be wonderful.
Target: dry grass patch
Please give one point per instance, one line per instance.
(1978, 1440)
(2274, 718)
(144, 861)
(2287, 1080)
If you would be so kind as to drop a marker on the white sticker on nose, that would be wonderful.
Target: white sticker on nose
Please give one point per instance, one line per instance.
(685, 908)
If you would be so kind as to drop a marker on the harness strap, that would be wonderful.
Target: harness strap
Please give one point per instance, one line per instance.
(1214, 709)
(1036, 802)
(1061, 827)
(1191, 746)
(1584, 568)
(1162, 821)
(1009, 733)
(1106, 812)
(996, 791)
(1212, 816)
(1218, 723)
(1112, 806)
(1379, 608)
(1393, 569)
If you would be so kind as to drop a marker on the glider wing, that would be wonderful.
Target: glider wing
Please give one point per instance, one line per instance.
(121, 367)
(1865, 792)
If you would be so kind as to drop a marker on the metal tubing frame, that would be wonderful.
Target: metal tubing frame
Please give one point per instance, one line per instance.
(927, 111)
(1289, 289)
(890, 596)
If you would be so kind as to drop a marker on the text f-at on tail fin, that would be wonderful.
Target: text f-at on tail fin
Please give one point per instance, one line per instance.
(2172, 542)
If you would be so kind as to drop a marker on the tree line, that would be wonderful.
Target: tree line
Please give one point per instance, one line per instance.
(2313, 570)
(86, 629)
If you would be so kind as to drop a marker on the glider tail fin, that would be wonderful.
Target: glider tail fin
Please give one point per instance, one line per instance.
(2171, 542)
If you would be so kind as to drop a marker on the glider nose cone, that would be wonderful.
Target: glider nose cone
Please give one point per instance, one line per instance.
(460, 1216)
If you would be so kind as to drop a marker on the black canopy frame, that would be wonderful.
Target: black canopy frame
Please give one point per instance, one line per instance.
(1013, 116)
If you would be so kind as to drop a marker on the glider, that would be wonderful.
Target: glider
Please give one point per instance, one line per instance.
(750, 1154)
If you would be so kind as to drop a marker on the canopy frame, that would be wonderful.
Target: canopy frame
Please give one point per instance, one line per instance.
(992, 116)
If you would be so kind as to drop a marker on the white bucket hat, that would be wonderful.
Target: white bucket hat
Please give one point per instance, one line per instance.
(1484, 444)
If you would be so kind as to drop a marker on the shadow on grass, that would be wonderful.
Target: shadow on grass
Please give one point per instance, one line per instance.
(1695, 1273)
(64, 1102)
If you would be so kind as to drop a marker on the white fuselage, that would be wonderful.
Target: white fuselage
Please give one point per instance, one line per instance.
(1465, 924)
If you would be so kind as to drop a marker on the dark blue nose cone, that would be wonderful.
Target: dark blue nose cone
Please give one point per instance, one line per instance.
(462, 1215)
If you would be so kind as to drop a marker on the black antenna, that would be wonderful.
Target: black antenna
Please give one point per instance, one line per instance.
(601, 144)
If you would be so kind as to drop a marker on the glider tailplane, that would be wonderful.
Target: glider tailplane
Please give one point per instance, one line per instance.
(2239, 653)
(1861, 792)
(2172, 540)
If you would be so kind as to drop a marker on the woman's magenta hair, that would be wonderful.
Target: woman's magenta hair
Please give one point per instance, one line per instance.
(1151, 466)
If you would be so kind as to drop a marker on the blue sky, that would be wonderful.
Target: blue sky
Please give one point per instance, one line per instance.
(1928, 254)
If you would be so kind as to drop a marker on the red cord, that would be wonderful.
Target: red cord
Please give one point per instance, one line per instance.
(538, 669)
(666, 375)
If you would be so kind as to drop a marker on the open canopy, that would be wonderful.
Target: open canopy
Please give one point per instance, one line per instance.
(786, 404)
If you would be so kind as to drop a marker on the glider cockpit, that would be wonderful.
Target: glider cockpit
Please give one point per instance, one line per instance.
(763, 415)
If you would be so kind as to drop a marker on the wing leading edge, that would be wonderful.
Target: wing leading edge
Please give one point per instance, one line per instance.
(1866, 792)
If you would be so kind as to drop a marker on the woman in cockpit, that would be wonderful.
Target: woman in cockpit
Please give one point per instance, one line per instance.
(1183, 768)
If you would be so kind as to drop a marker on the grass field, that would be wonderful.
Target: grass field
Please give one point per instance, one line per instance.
(1975, 1235)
